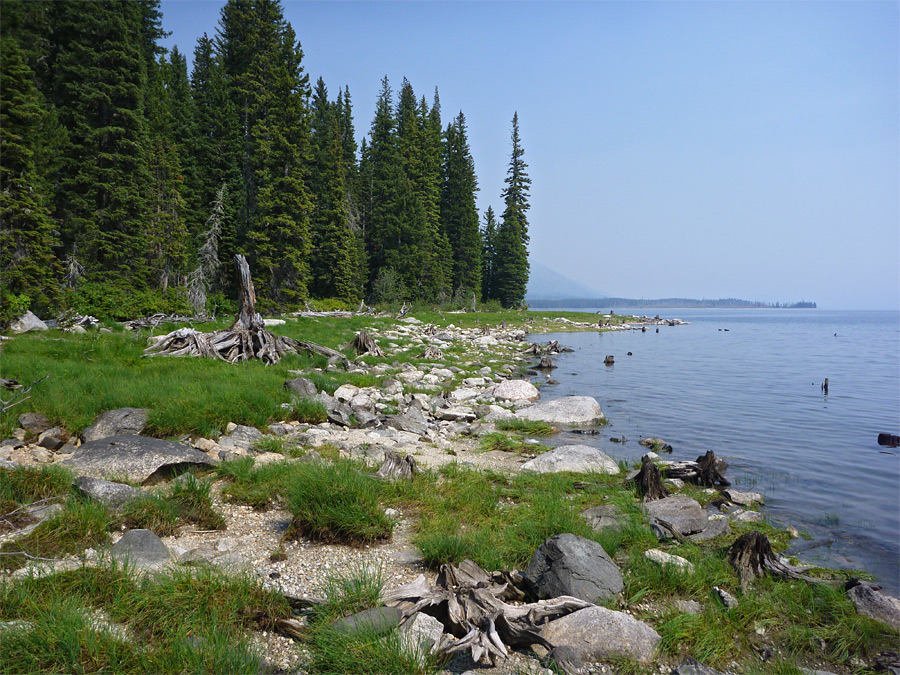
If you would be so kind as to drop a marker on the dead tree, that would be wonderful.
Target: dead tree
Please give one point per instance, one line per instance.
(751, 556)
(432, 352)
(649, 481)
(364, 345)
(705, 471)
(474, 606)
(247, 338)
(546, 363)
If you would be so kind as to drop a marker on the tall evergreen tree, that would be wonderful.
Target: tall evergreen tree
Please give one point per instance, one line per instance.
(459, 214)
(100, 81)
(488, 255)
(27, 264)
(355, 214)
(511, 248)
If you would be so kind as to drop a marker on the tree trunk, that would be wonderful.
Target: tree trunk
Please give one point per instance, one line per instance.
(649, 481)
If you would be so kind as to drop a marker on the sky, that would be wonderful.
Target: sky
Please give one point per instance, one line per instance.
(678, 149)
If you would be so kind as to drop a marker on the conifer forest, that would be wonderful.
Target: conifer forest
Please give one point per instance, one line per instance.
(130, 178)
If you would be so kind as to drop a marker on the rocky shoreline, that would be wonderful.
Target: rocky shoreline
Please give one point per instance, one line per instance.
(433, 411)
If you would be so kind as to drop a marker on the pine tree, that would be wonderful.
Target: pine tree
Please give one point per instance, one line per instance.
(459, 214)
(511, 248)
(488, 255)
(27, 264)
(99, 84)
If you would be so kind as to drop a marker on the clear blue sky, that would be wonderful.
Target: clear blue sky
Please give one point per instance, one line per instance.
(693, 149)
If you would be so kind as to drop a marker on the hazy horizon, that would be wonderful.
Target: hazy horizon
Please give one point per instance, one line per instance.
(682, 149)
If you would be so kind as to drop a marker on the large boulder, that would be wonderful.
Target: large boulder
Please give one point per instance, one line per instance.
(681, 512)
(116, 423)
(134, 458)
(572, 411)
(113, 495)
(26, 323)
(516, 390)
(574, 458)
(412, 421)
(598, 634)
(871, 602)
(34, 423)
(242, 436)
(301, 386)
(567, 564)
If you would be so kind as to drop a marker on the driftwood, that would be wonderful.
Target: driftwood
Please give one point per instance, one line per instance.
(20, 396)
(649, 481)
(705, 471)
(363, 344)
(395, 466)
(432, 353)
(535, 349)
(474, 606)
(247, 338)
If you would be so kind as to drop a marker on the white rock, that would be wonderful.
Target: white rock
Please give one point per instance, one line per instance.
(569, 410)
(274, 322)
(664, 558)
(346, 392)
(464, 394)
(485, 341)
(474, 381)
(26, 323)
(411, 375)
(574, 458)
(516, 390)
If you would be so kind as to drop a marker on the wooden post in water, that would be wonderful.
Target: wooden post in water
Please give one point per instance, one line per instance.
(825, 386)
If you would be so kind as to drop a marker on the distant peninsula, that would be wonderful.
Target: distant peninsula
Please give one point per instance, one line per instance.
(665, 303)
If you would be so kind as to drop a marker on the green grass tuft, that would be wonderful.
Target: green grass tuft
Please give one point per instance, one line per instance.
(526, 427)
(309, 411)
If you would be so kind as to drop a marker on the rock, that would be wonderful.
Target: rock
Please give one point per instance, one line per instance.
(113, 495)
(681, 512)
(362, 402)
(142, 548)
(457, 414)
(567, 564)
(886, 440)
(575, 458)
(116, 423)
(337, 412)
(422, 633)
(376, 620)
(655, 444)
(688, 606)
(464, 394)
(50, 441)
(412, 421)
(26, 323)
(691, 666)
(602, 517)
(516, 390)
(242, 436)
(273, 322)
(346, 392)
(664, 559)
(493, 413)
(871, 602)
(135, 458)
(727, 598)
(366, 420)
(34, 423)
(597, 634)
(301, 386)
(743, 498)
(716, 527)
(563, 658)
(568, 410)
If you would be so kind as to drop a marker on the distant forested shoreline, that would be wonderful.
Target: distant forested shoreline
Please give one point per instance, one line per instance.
(666, 303)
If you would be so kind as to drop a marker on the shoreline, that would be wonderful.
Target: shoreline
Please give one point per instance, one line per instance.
(438, 437)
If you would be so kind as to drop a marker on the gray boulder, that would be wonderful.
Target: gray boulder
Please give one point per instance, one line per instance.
(597, 634)
(412, 421)
(743, 498)
(516, 390)
(681, 512)
(574, 458)
(242, 436)
(34, 423)
(567, 564)
(113, 495)
(301, 386)
(602, 517)
(568, 411)
(871, 602)
(376, 620)
(337, 412)
(26, 323)
(714, 527)
(116, 423)
(134, 458)
(142, 548)
(422, 633)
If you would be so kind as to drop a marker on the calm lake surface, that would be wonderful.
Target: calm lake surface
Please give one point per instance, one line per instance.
(752, 393)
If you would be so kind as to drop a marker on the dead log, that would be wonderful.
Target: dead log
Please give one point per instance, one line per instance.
(364, 345)
(395, 466)
(472, 605)
(649, 481)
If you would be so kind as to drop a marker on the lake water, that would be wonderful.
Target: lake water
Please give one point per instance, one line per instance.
(752, 393)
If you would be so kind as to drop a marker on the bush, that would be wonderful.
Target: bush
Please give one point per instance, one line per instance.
(112, 300)
(12, 306)
(388, 287)
(336, 503)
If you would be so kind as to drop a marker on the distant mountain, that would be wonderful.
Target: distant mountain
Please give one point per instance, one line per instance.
(548, 284)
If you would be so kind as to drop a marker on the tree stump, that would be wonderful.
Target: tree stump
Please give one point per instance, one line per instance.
(395, 466)
(432, 353)
(707, 473)
(363, 344)
(546, 363)
(649, 481)
(751, 556)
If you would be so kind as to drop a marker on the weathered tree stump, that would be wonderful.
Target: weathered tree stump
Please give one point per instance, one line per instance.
(707, 473)
(363, 344)
(247, 338)
(395, 466)
(546, 363)
(535, 349)
(751, 556)
(649, 481)
(609, 360)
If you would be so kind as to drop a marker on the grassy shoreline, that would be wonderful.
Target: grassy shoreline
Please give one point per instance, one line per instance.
(493, 518)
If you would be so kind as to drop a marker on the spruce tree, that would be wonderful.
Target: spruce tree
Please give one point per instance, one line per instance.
(488, 255)
(99, 84)
(27, 264)
(511, 248)
(459, 214)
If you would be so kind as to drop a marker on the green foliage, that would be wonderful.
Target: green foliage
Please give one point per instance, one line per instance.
(117, 300)
(309, 410)
(527, 427)
(336, 503)
(502, 442)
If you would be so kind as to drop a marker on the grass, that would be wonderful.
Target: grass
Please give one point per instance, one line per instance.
(504, 443)
(525, 427)
(309, 410)
(187, 500)
(187, 620)
(23, 486)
